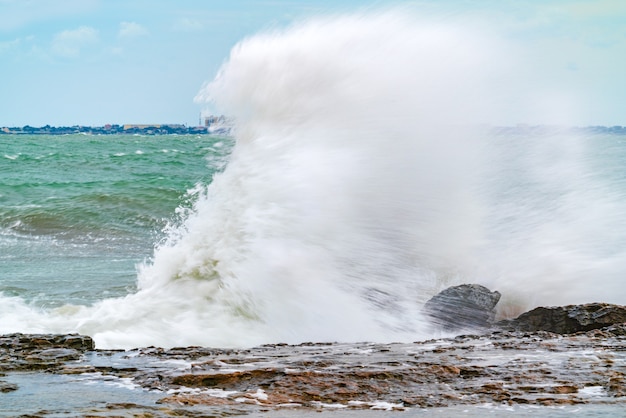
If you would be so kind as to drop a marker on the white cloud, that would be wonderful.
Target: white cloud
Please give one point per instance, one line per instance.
(131, 30)
(69, 43)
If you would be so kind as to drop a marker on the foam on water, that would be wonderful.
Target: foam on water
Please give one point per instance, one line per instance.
(356, 191)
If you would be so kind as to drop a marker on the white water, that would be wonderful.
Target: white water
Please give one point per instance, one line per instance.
(357, 190)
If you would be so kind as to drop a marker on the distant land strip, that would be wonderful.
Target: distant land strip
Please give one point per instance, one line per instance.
(141, 129)
(547, 129)
(223, 126)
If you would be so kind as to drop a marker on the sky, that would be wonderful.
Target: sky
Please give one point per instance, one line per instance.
(93, 62)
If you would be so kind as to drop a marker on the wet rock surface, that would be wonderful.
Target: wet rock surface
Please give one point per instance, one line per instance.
(41, 351)
(539, 368)
(568, 319)
(7, 387)
(501, 368)
(467, 306)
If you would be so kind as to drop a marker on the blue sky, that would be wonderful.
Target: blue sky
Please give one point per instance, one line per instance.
(92, 62)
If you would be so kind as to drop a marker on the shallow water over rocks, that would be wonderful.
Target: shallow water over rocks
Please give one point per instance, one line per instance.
(506, 372)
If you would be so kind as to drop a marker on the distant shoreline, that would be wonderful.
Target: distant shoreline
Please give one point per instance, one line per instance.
(156, 129)
(225, 128)
(548, 129)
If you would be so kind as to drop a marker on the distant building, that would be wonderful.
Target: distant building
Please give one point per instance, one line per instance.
(214, 120)
(129, 127)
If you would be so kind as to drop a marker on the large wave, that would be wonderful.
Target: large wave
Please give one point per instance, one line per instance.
(360, 185)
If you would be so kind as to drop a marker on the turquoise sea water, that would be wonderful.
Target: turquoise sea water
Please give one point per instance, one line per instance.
(189, 240)
(78, 213)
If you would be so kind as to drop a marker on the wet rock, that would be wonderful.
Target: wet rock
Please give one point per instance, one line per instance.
(503, 367)
(54, 354)
(617, 384)
(616, 330)
(244, 379)
(20, 341)
(569, 319)
(565, 389)
(41, 351)
(6, 387)
(467, 306)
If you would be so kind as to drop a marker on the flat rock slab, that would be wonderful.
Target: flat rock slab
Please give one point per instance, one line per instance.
(41, 351)
(501, 368)
(504, 367)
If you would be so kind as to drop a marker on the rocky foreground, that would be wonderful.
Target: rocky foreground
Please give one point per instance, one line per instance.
(512, 363)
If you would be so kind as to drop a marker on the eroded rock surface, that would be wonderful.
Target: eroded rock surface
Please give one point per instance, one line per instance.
(499, 368)
(41, 351)
(503, 367)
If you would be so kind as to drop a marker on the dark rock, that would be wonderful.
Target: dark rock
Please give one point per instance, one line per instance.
(41, 351)
(44, 341)
(56, 355)
(7, 387)
(568, 319)
(467, 306)
(616, 330)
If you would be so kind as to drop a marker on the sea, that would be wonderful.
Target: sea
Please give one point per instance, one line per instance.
(80, 213)
(357, 181)
(163, 240)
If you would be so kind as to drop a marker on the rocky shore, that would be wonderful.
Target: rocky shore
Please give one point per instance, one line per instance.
(559, 356)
